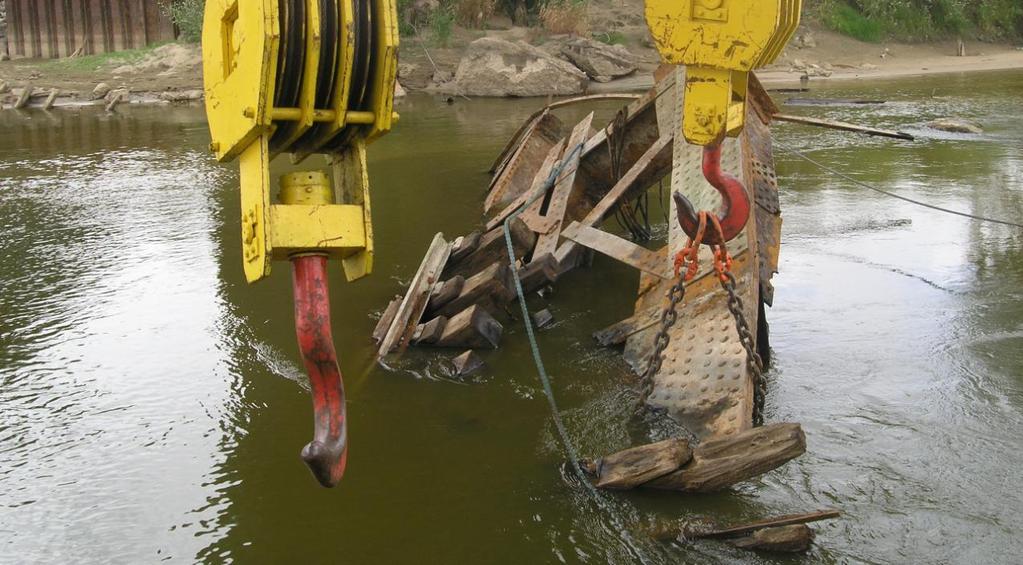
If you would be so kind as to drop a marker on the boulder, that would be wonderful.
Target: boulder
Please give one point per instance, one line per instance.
(495, 67)
(955, 125)
(101, 90)
(600, 61)
(182, 95)
(399, 91)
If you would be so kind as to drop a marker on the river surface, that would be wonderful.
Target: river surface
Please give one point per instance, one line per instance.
(152, 407)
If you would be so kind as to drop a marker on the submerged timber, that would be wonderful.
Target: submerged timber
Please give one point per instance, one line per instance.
(553, 187)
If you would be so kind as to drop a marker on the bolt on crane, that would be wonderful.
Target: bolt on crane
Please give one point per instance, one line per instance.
(308, 77)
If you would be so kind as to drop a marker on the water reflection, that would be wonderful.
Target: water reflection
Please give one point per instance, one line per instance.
(151, 407)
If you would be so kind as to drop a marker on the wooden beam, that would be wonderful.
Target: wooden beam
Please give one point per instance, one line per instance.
(633, 467)
(722, 462)
(843, 126)
(787, 520)
(548, 242)
(473, 328)
(414, 304)
(659, 152)
(26, 95)
(619, 249)
(487, 288)
(617, 333)
(386, 320)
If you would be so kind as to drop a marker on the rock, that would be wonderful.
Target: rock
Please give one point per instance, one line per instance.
(122, 92)
(495, 67)
(798, 64)
(4, 87)
(467, 363)
(399, 92)
(101, 91)
(806, 41)
(4, 57)
(442, 77)
(868, 67)
(406, 69)
(601, 62)
(181, 95)
(955, 125)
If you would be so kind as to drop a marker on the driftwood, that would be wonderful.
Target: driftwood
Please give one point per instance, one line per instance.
(842, 126)
(445, 292)
(464, 245)
(617, 333)
(780, 521)
(487, 288)
(722, 462)
(639, 465)
(711, 466)
(430, 332)
(785, 539)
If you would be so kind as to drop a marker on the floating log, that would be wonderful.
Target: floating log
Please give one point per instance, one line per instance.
(780, 521)
(722, 462)
(415, 301)
(386, 320)
(26, 95)
(843, 126)
(467, 363)
(639, 465)
(540, 272)
(473, 328)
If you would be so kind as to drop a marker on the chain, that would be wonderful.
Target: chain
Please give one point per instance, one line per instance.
(754, 364)
(686, 268)
(668, 318)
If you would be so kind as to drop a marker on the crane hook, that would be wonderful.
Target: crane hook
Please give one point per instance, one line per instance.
(735, 203)
(327, 454)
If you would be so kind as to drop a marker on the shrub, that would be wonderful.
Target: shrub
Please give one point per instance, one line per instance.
(188, 16)
(843, 18)
(473, 13)
(442, 22)
(564, 16)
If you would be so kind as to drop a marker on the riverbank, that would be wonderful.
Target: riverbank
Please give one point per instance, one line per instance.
(173, 72)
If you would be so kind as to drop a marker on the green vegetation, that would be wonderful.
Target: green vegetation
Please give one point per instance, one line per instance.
(921, 20)
(89, 63)
(610, 37)
(442, 23)
(188, 16)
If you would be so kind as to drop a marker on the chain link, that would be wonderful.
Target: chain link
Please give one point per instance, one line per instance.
(754, 364)
(668, 318)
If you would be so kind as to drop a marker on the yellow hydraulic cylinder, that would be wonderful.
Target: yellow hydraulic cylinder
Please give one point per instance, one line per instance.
(719, 42)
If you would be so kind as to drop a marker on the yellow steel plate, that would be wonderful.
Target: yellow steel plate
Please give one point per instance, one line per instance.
(254, 165)
(335, 229)
(385, 18)
(240, 42)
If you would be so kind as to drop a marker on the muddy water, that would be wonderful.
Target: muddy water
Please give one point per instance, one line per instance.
(152, 408)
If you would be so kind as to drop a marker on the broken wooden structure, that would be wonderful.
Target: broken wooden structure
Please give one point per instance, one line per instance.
(554, 186)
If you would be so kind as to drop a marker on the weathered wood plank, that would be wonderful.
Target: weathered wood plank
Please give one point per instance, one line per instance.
(416, 299)
(467, 363)
(720, 463)
(430, 332)
(445, 292)
(558, 205)
(785, 539)
(472, 328)
(619, 249)
(488, 288)
(464, 245)
(633, 467)
(842, 126)
(386, 320)
(659, 155)
(617, 333)
(779, 521)
(26, 95)
(538, 187)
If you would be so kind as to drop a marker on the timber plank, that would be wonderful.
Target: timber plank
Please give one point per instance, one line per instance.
(473, 328)
(617, 248)
(415, 301)
(386, 320)
(558, 205)
(633, 467)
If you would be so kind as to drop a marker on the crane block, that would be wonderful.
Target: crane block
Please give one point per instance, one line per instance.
(300, 77)
(719, 42)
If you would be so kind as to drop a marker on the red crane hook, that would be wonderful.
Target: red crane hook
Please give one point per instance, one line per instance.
(327, 454)
(735, 203)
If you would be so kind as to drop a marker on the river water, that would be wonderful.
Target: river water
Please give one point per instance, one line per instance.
(152, 407)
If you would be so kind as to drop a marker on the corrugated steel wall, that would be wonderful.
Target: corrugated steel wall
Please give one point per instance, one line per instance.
(58, 28)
